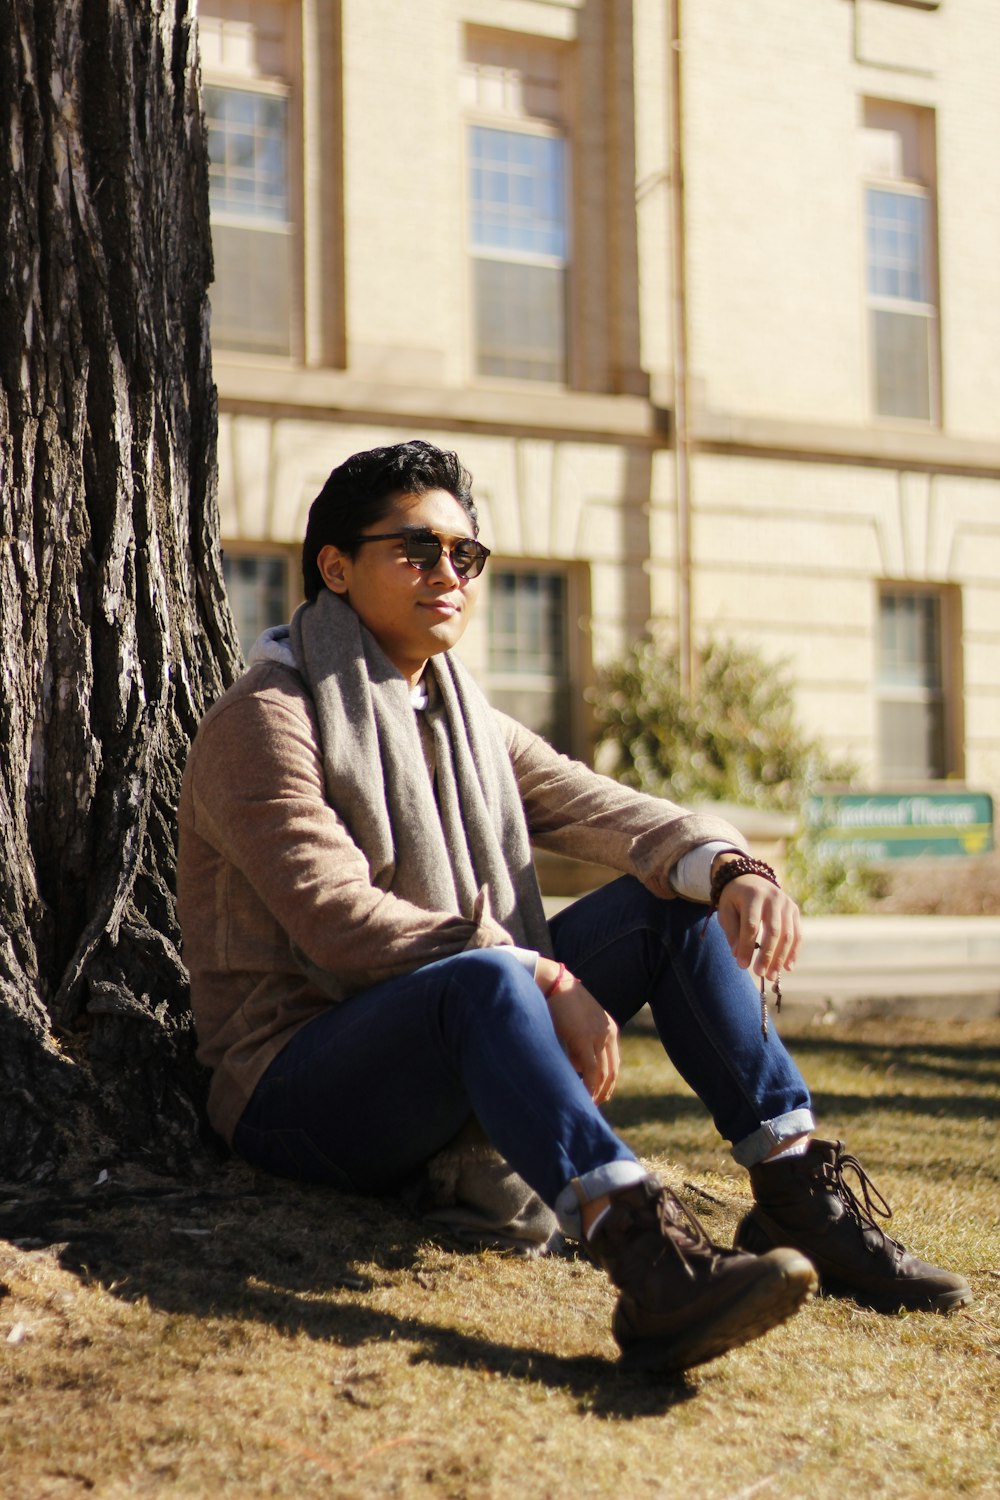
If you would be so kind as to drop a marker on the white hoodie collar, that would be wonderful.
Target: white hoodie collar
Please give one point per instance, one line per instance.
(273, 645)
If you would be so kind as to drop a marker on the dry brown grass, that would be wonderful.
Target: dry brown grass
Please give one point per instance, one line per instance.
(241, 1337)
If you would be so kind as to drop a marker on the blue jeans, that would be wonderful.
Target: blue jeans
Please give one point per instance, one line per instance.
(368, 1091)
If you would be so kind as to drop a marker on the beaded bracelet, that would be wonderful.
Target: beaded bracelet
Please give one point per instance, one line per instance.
(745, 864)
(563, 971)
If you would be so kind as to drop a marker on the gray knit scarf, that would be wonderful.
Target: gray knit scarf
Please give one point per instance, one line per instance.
(464, 851)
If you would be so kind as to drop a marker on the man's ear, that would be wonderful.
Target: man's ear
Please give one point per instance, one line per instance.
(330, 561)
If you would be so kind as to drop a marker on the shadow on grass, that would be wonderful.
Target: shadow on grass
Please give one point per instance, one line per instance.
(970, 1063)
(976, 1062)
(300, 1260)
(966, 1072)
(634, 1112)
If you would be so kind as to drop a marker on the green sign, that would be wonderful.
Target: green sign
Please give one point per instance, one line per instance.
(887, 825)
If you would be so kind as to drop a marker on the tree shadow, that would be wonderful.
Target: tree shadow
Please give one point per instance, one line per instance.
(952, 1061)
(300, 1259)
(634, 1112)
(974, 1060)
(957, 1066)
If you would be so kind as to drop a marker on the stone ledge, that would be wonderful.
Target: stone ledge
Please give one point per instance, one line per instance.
(278, 388)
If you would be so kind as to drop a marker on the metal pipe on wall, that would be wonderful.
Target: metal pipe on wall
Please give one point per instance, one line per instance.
(679, 320)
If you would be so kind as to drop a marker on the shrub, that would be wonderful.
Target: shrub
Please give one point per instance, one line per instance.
(736, 740)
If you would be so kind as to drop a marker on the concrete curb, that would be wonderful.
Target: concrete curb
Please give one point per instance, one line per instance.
(871, 966)
(933, 967)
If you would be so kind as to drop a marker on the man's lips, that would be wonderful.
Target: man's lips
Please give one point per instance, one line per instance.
(441, 606)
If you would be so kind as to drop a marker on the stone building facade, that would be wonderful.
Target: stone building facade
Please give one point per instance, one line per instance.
(706, 295)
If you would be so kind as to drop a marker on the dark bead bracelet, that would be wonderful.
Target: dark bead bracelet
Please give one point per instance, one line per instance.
(743, 864)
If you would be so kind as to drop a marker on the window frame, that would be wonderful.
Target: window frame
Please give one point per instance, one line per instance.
(927, 311)
(904, 166)
(506, 116)
(286, 89)
(476, 254)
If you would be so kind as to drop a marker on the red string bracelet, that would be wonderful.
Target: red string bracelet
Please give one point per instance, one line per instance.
(556, 982)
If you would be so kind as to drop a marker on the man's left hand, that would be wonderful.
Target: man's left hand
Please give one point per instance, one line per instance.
(754, 912)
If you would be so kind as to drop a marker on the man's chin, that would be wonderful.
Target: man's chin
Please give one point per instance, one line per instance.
(446, 633)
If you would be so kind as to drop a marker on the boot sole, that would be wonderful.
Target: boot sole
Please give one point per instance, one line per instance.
(765, 1303)
(884, 1302)
(752, 1237)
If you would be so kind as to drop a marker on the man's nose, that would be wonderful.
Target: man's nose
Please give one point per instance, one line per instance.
(444, 569)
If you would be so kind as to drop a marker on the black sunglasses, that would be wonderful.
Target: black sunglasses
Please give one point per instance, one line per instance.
(423, 550)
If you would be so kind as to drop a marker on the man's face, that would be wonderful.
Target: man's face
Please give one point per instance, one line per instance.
(412, 614)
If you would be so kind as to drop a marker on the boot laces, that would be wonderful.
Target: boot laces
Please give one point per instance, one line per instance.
(862, 1210)
(683, 1232)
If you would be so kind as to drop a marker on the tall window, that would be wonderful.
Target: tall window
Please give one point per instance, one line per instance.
(517, 194)
(518, 215)
(528, 650)
(911, 663)
(900, 260)
(245, 50)
(251, 231)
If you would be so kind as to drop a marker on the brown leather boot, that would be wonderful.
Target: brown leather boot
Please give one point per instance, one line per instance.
(805, 1202)
(683, 1299)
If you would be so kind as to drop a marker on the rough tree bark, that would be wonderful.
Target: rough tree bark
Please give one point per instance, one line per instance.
(114, 631)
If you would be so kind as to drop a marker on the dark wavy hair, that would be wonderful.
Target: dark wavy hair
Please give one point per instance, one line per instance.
(361, 491)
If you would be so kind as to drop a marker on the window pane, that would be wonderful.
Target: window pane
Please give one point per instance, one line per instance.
(247, 145)
(518, 192)
(527, 623)
(909, 643)
(901, 343)
(258, 594)
(520, 320)
(252, 292)
(897, 239)
(911, 741)
(235, 106)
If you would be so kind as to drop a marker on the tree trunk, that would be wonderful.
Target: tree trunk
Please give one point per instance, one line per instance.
(114, 630)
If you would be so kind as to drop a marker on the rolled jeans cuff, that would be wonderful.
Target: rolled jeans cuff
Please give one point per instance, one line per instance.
(754, 1148)
(594, 1184)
